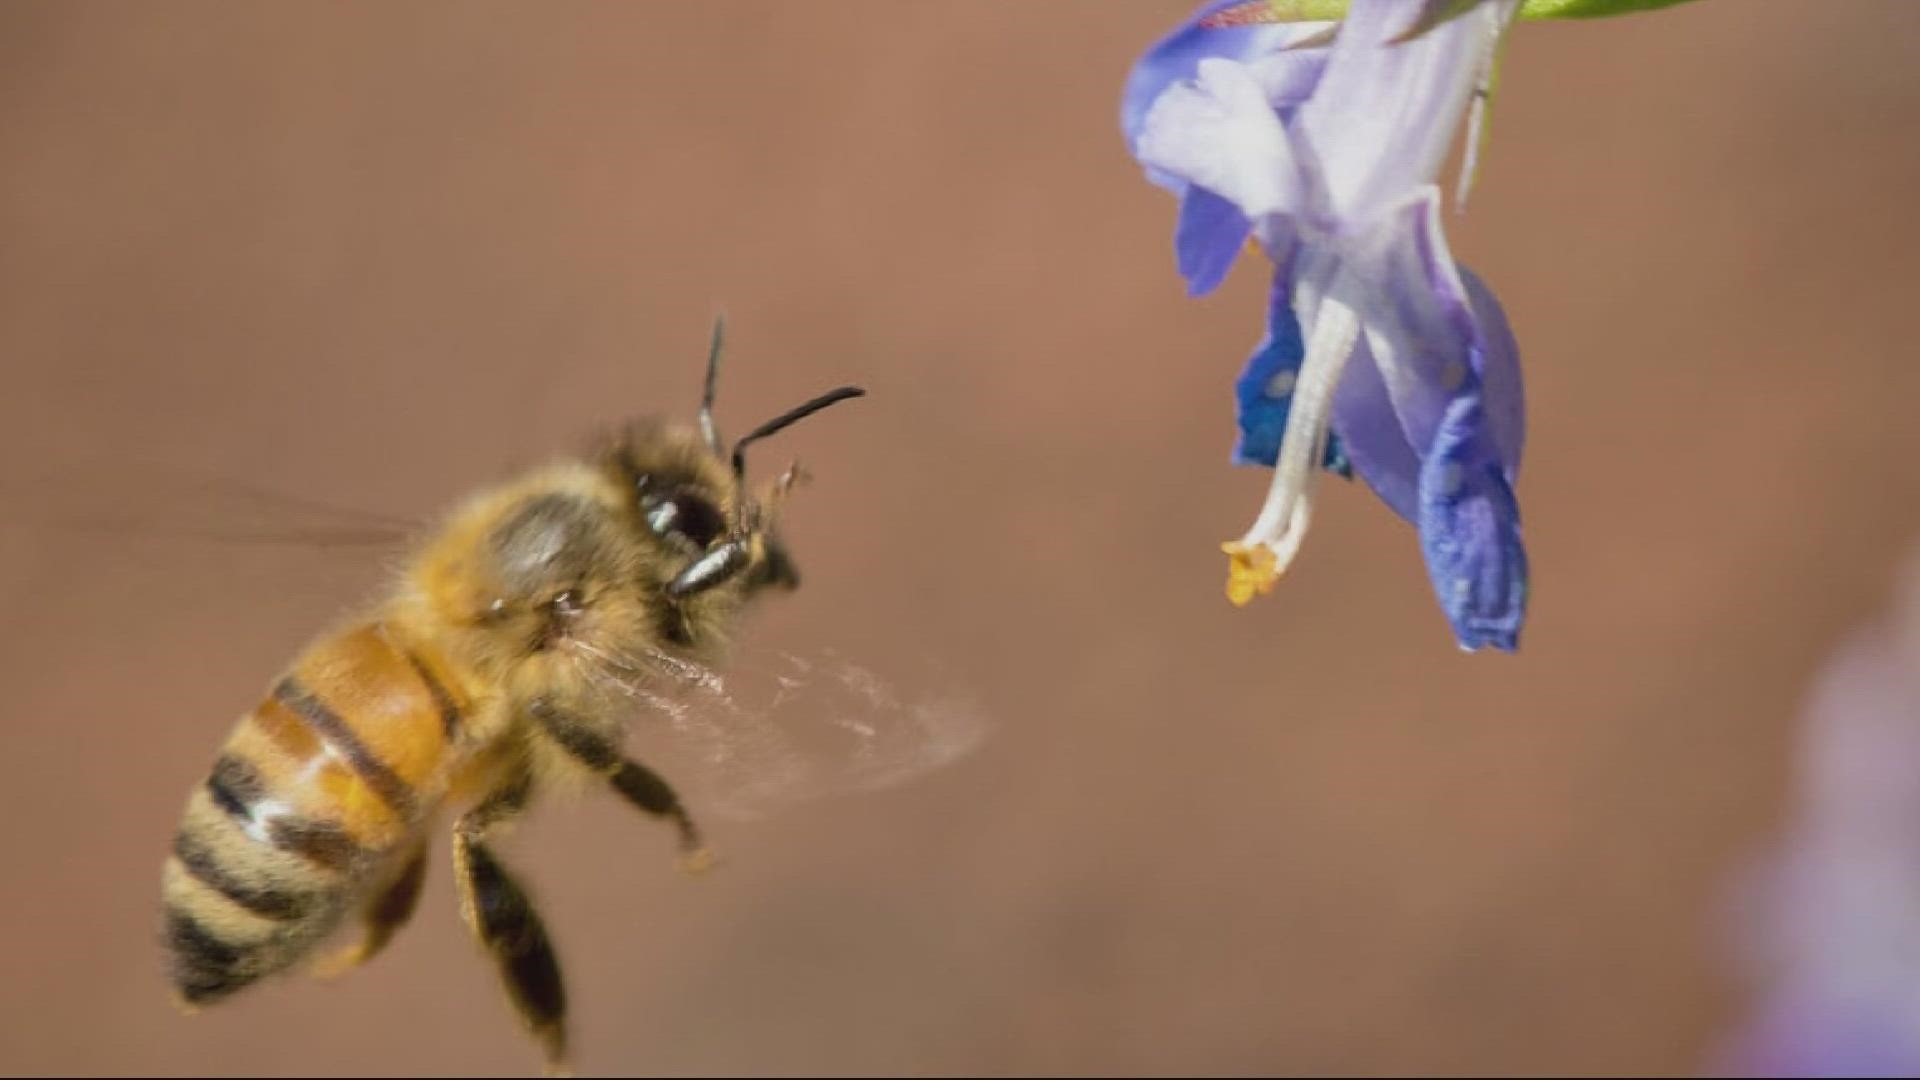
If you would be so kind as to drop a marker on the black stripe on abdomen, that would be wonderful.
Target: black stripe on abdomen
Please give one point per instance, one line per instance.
(205, 866)
(377, 774)
(204, 967)
(442, 700)
(237, 788)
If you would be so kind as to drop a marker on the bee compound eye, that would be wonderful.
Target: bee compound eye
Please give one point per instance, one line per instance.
(697, 519)
(684, 515)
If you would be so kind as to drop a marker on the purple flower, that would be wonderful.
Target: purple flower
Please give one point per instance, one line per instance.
(1380, 352)
(1831, 923)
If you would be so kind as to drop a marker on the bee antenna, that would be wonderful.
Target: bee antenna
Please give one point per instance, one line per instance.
(707, 430)
(786, 419)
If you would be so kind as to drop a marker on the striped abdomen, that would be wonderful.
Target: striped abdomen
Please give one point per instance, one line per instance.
(314, 798)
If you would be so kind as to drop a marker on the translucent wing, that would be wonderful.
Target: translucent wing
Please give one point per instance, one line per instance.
(145, 501)
(775, 727)
(180, 534)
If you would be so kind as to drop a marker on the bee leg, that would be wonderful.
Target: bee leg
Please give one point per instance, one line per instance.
(649, 791)
(383, 916)
(639, 785)
(721, 564)
(501, 916)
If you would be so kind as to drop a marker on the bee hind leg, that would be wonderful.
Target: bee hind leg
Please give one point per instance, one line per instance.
(383, 917)
(501, 916)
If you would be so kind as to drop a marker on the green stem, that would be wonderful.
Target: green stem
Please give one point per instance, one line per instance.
(1588, 9)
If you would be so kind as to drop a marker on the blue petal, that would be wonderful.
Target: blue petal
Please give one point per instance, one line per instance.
(1496, 358)
(1438, 323)
(1261, 414)
(1208, 237)
(1336, 460)
(1470, 530)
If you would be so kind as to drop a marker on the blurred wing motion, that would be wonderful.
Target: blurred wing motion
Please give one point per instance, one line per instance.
(168, 538)
(143, 500)
(771, 727)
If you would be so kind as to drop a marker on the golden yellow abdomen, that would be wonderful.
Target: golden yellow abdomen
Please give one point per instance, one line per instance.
(317, 791)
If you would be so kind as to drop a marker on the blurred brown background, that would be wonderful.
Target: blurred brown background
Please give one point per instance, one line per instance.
(374, 254)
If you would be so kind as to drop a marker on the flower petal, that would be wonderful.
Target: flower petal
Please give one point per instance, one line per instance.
(1496, 359)
(1434, 331)
(1264, 391)
(1208, 237)
(1336, 460)
(1217, 132)
(1419, 319)
(1470, 531)
(1286, 75)
(1383, 115)
(1372, 437)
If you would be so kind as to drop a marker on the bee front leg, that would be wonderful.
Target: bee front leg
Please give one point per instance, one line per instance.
(649, 791)
(719, 565)
(500, 914)
(643, 788)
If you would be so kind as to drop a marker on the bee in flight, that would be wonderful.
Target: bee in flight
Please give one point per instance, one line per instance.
(501, 664)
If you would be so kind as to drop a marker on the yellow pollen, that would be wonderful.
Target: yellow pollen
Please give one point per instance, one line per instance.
(1252, 570)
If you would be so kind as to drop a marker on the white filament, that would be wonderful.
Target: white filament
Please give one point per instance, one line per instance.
(1283, 519)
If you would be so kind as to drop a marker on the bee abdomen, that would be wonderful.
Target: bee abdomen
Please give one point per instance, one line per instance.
(318, 788)
(266, 899)
(251, 885)
(204, 967)
(228, 925)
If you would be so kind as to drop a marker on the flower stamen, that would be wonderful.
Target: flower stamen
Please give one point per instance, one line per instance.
(1258, 559)
(1249, 571)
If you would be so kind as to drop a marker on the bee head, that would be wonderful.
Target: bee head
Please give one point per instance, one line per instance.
(695, 498)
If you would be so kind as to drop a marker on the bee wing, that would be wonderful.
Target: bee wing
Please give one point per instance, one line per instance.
(167, 534)
(777, 727)
(144, 501)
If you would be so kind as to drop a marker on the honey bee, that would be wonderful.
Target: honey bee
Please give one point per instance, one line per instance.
(502, 664)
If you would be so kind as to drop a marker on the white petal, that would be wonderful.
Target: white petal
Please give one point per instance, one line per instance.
(1219, 132)
(1381, 119)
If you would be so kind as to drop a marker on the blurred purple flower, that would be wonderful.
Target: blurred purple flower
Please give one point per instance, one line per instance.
(1831, 921)
(1326, 156)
